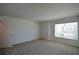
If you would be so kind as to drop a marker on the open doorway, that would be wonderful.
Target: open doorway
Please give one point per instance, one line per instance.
(5, 40)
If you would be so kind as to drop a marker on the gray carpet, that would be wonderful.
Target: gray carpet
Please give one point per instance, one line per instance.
(40, 47)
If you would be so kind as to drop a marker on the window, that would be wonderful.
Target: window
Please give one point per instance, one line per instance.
(67, 30)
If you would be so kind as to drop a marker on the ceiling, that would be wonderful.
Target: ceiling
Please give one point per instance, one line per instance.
(39, 11)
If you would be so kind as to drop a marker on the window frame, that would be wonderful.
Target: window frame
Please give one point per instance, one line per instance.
(63, 34)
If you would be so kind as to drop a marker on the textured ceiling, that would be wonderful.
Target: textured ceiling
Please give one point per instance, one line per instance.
(39, 12)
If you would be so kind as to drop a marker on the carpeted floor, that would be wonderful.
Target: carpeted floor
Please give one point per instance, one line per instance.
(40, 47)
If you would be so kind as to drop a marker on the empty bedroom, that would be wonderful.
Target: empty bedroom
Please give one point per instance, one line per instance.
(39, 28)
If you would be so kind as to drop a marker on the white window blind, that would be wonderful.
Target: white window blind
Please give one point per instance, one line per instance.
(67, 30)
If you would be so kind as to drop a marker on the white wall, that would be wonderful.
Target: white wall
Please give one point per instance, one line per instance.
(44, 30)
(45, 26)
(1, 8)
(21, 30)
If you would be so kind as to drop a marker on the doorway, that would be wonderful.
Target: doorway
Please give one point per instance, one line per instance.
(5, 40)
